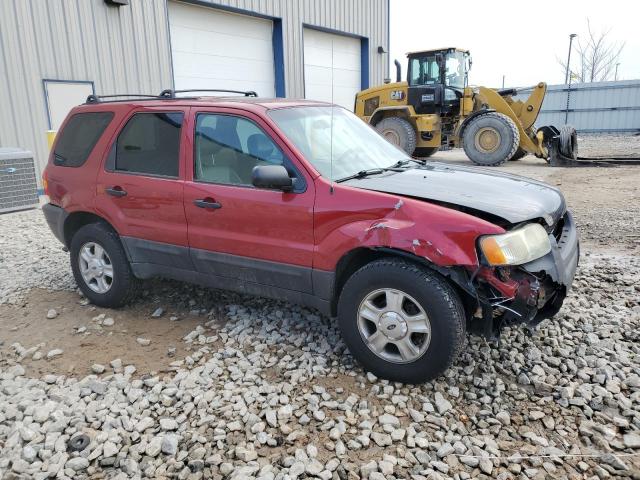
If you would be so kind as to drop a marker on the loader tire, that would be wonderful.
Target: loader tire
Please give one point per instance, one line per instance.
(398, 131)
(424, 152)
(568, 142)
(490, 139)
(520, 153)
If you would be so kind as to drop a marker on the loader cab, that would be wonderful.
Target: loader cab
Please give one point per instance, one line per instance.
(436, 80)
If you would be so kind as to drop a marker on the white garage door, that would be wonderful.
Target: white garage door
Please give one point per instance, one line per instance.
(331, 67)
(216, 49)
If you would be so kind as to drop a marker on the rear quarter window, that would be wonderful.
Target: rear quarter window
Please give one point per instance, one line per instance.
(79, 136)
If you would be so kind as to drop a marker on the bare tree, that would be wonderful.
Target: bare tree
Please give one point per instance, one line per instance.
(596, 55)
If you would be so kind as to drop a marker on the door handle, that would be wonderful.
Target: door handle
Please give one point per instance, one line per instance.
(209, 203)
(115, 191)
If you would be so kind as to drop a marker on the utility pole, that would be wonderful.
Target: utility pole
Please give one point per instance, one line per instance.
(567, 78)
(503, 78)
(566, 75)
(616, 76)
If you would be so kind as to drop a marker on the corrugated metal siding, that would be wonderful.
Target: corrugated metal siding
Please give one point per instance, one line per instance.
(593, 107)
(127, 49)
(119, 49)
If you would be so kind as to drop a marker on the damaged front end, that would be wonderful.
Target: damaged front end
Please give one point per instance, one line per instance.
(528, 293)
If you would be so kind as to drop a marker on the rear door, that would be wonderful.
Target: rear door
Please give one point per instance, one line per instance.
(140, 187)
(238, 231)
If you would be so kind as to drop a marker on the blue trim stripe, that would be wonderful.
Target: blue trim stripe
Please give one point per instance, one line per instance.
(364, 63)
(278, 57)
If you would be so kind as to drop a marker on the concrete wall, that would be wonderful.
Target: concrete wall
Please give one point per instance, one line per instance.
(127, 49)
(592, 107)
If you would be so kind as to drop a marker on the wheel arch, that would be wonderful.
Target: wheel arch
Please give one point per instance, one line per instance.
(384, 112)
(357, 258)
(76, 220)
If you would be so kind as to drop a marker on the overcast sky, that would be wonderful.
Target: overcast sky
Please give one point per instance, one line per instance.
(519, 39)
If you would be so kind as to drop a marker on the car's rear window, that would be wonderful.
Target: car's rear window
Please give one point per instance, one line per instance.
(149, 144)
(79, 136)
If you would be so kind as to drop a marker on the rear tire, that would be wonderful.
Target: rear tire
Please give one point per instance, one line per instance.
(399, 132)
(424, 152)
(393, 342)
(100, 266)
(490, 139)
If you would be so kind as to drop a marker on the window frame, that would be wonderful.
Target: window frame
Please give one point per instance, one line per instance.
(60, 135)
(300, 184)
(110, 163)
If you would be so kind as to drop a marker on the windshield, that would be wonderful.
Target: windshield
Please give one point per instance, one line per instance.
(355, 146)
(455, 70)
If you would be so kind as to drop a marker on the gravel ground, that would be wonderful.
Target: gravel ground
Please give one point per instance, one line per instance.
(244, 387)
(612, 145)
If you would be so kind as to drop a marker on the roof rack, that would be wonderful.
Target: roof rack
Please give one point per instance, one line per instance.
(167, 94)
(100, 98)
(172, 93)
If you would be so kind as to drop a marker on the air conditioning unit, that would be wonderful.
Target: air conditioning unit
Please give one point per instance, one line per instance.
(18, 185)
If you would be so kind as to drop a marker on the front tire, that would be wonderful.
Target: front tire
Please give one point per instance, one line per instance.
(490, 139)
(401, 321)
(100, 266)
(399, 132)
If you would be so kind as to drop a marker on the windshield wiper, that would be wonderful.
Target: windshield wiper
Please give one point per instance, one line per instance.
(396, 167)
(362, 174)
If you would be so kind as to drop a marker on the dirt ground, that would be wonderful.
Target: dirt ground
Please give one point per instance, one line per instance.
(605, 202)
(78, 331)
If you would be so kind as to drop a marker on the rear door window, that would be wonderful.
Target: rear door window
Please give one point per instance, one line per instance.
(79, 136)
(149, 144)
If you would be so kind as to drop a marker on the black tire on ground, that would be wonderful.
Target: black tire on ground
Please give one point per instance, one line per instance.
(399, 132)
(434, 295)
(568, 141)
(424, 152)
(490, 139)
(123, 285)
(520, 153)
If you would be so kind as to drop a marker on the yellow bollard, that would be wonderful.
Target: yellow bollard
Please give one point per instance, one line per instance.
(51, 136)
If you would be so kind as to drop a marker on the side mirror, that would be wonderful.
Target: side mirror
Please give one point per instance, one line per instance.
(272, 176)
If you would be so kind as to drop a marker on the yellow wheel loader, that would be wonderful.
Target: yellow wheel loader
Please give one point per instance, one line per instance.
(436, 107)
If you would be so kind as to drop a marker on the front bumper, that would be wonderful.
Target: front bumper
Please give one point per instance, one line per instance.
(545, 282)
(530, 293)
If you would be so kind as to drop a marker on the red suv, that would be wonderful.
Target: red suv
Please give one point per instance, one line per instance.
(302, 201)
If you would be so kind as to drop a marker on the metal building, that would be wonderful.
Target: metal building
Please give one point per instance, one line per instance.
(598, 107)
(54, 54)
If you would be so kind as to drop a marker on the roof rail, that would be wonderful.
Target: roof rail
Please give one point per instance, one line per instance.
(172, 93)
(164, 95)
(100, 98)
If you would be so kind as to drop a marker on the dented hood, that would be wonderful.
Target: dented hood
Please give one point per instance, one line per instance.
(511, 197)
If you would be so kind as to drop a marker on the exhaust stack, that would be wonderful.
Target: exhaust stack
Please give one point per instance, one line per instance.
(398, 70)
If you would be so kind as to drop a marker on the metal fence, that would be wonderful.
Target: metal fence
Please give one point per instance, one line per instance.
(592, 107)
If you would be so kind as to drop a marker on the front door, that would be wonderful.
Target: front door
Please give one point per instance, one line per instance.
(238, 231)
(140, 188)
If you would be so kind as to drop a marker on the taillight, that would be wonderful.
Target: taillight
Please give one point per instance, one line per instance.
(45, 183)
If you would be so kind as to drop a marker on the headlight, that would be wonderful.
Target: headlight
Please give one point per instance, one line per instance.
(516, 247)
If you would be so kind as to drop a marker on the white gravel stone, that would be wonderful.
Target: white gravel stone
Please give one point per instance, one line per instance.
(56, 352)
(97, 368)
(108, 322)
(52, 313)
